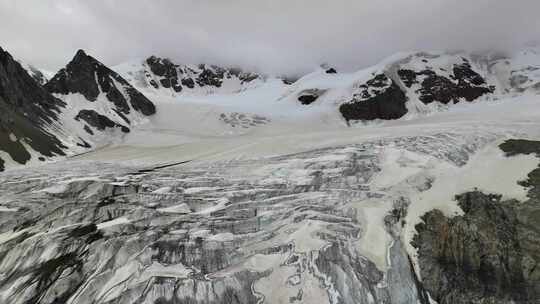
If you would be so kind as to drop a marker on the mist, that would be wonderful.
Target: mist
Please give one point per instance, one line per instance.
(271, 36)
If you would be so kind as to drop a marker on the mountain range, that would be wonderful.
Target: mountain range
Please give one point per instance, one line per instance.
(87, 105)
(154, 181)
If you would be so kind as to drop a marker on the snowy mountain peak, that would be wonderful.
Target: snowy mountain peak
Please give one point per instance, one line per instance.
(101, 104)
(89, 77)
(80, 54)
(404, 84)
(162, 76)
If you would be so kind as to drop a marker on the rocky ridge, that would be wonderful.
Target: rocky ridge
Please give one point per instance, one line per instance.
(28, 115)
(416, 83)
(100, 99)
(163, 76)
(43, 122)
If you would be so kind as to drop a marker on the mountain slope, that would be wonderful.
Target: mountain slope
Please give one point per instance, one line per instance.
(28, 115)
(100, 102)
(39, 76)
(403, 84)
(164, 77)
(86, 105)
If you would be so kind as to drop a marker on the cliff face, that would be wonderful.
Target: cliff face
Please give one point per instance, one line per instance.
(379, 98)
(491, 253)
(27, 114)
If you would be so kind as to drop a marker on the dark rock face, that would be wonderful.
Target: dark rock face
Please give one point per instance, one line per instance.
(331, 71)
(465, 83)
(165, 68)
(188, 82)
(98, 121)
(25, 110)
(379, 98)
(307, 97)
(210, 77)
(491, 253)
(80, 76)
(139, 102)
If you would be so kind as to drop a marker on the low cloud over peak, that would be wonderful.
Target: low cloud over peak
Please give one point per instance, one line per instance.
(275, 36)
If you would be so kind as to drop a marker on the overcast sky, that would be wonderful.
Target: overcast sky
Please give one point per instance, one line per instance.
(277, 36)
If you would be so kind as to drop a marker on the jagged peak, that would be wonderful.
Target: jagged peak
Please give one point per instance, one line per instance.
(82, 58)
(86, 75)
(80, 53)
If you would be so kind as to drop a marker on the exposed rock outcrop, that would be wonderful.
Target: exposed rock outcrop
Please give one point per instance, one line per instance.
(309, 96)
(165, 76)
(464, 83)
(379, 98)
(100, 122)
(488, 255)
(89, 77)
(27, 113)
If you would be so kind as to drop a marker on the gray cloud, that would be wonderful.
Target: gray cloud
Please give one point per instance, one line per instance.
(278, 36)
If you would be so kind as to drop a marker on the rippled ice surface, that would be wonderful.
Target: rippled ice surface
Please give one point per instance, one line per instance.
(324, 226)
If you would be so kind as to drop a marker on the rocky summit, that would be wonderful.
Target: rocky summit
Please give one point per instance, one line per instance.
(89, 77)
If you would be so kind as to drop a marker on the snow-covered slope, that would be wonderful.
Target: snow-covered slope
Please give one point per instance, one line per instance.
(163, 77)
(31, 130)
(405, 85)
(91, 107)
(517, 73)
(412, 84)
(40, 76)
(100, 104)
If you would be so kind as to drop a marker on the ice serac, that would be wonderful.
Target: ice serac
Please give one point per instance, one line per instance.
(27, 114)
(89, 77)
(283, 229)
